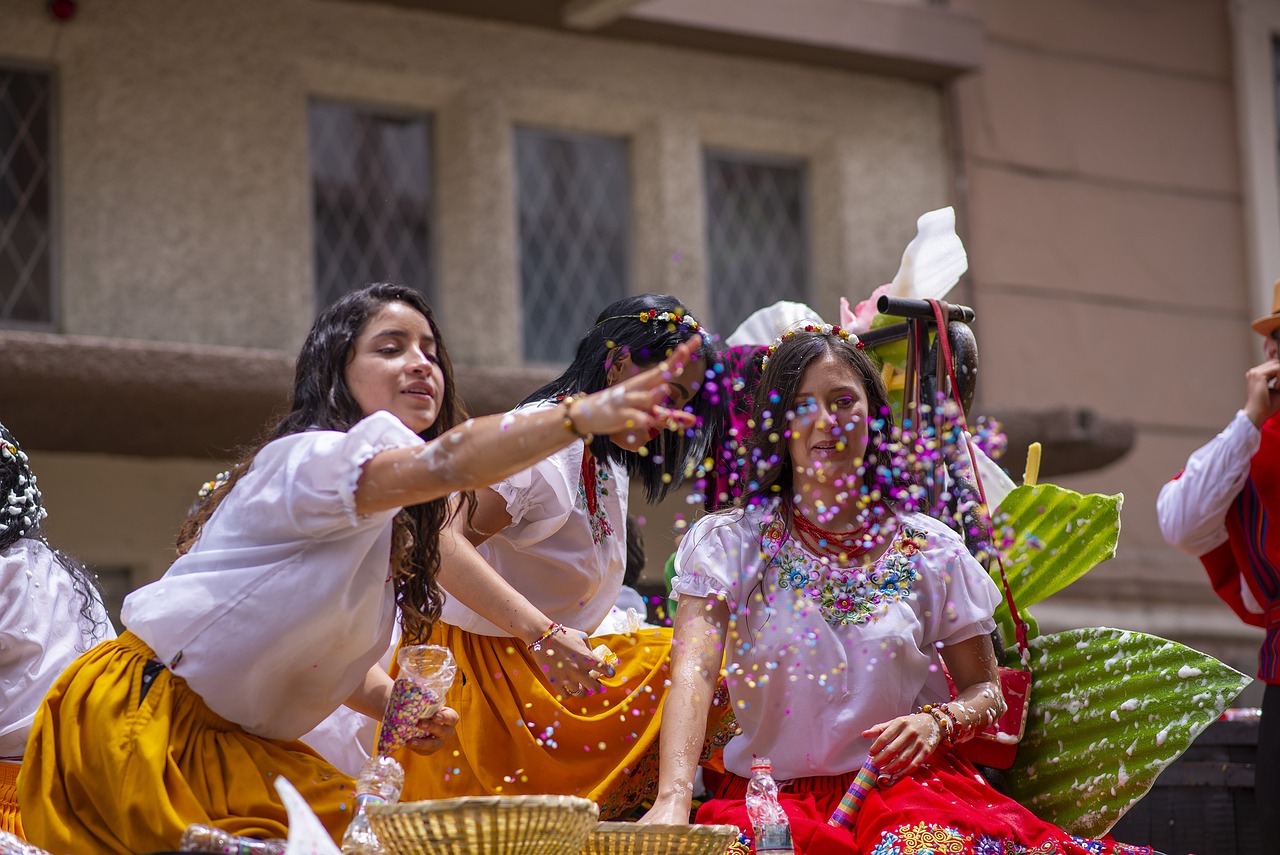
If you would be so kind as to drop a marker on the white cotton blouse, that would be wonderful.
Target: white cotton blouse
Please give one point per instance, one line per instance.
(555, 553)
(285, 601)
(42, 631)
(816, 655)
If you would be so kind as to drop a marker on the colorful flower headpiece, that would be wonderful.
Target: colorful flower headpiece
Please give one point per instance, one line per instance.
(207, 488)
(824, 329)
(650, 315)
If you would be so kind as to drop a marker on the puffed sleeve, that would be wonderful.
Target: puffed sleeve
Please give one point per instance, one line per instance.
(541, 498)
(716, 557)
(306, 483)
(962, 597)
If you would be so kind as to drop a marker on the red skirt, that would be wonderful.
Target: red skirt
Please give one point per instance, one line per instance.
(944, 807)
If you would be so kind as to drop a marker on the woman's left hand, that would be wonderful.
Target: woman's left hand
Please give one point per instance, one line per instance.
(437, 731)
(902, 744)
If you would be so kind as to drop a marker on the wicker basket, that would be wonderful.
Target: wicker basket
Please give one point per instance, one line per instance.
(486, 825)
(630, 838)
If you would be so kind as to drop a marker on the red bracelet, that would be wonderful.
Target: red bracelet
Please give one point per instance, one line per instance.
(536, 644)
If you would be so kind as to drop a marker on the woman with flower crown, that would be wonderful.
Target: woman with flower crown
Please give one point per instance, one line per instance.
(50, 613)
(833, 607)
(540, 711)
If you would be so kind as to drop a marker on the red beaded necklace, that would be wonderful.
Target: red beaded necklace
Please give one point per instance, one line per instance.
(848, 545)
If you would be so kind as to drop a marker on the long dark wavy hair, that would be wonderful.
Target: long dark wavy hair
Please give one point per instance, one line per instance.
(21, 512)
(619, 330)
(323, 401)
(772, 472)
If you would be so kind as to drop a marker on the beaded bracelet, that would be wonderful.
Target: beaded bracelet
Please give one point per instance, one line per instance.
(955, 722)
(567, 403)
(536, 644)
(933, 712)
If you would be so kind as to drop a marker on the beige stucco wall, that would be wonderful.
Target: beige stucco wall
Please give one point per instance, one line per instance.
(1107, 242)
(183, 187)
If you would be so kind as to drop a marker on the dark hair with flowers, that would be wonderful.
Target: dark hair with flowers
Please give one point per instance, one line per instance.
(323, 401)
(646, 327)
(21, 511)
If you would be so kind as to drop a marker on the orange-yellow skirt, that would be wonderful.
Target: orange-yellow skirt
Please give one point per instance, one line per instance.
(517, 735)
(106, 772)
(9, 819)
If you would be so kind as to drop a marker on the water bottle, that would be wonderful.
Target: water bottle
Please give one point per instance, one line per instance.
(379, 783)
(206, 838)
(768, 821)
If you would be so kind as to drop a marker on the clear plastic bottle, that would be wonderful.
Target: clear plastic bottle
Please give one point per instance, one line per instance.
(426, 673)
(379, 783)
(205, 838)
(768, 821)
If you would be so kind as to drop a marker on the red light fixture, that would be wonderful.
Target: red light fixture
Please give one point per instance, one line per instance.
(63, 10)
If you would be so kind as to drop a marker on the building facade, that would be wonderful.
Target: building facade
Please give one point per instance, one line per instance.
(189, 182)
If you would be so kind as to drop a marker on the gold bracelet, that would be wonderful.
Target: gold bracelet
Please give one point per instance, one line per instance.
(572, 428)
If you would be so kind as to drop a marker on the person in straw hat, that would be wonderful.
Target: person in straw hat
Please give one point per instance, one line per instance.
(1217, 509)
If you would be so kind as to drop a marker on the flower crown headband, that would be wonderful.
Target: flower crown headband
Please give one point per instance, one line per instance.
(649, 315)
(824, 329)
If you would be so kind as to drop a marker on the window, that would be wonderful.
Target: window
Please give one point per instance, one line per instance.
(757, 234)
(26, 199)
(371, 185)
(573, 194)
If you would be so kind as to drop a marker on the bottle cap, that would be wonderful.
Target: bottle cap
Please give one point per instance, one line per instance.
(761, 763)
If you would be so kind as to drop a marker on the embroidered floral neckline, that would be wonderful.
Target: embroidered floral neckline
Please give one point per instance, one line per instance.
(845, 595)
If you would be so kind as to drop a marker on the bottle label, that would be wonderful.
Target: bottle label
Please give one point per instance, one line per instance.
(773, 837)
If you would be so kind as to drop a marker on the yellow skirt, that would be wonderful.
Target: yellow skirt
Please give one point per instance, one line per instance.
(9, 819)
(517, 735)
(107, 771)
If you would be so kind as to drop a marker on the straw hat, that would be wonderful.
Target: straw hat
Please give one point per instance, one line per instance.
(1268, 323)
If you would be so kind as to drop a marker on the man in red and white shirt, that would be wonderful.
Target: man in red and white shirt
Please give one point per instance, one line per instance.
(1218, 509)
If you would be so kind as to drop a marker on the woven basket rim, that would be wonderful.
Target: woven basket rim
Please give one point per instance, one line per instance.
(654, 830)
(461, 803)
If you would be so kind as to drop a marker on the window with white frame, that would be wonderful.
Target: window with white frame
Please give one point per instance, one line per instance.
(372, 198)
(757, 234)
(573, 210)
(26, 199)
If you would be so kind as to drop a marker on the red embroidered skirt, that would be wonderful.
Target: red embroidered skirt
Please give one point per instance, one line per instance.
(945, 806)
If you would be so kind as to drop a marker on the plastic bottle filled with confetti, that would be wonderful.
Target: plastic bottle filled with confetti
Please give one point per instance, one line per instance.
(379, 783)
(768, 821)
(205, 838)
(426, 673)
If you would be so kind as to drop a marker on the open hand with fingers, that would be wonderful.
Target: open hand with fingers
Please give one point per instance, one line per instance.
(569, 665)
(635, 403)
(902, 744)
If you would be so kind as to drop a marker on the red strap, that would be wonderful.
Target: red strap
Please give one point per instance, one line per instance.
(944, 345)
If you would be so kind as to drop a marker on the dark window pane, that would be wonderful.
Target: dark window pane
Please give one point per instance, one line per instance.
(371, 179)
(757, 235)
(574, 220)
(26, 257)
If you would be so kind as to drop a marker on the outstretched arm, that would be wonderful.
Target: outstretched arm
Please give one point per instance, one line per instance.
(484, 450)
(697, 650)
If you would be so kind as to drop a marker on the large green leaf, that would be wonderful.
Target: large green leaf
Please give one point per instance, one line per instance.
(1110, 709)
(1058, 535)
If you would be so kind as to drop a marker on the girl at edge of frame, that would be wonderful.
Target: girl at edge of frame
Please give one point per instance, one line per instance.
(283, 597)
(833, 607)
(50, 613)
(546, 714)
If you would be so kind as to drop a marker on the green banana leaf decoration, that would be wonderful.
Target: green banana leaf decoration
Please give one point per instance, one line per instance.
(1057, 536)
(1110, 709)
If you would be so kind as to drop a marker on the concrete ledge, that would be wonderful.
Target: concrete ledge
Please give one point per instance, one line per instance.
(164, 399)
